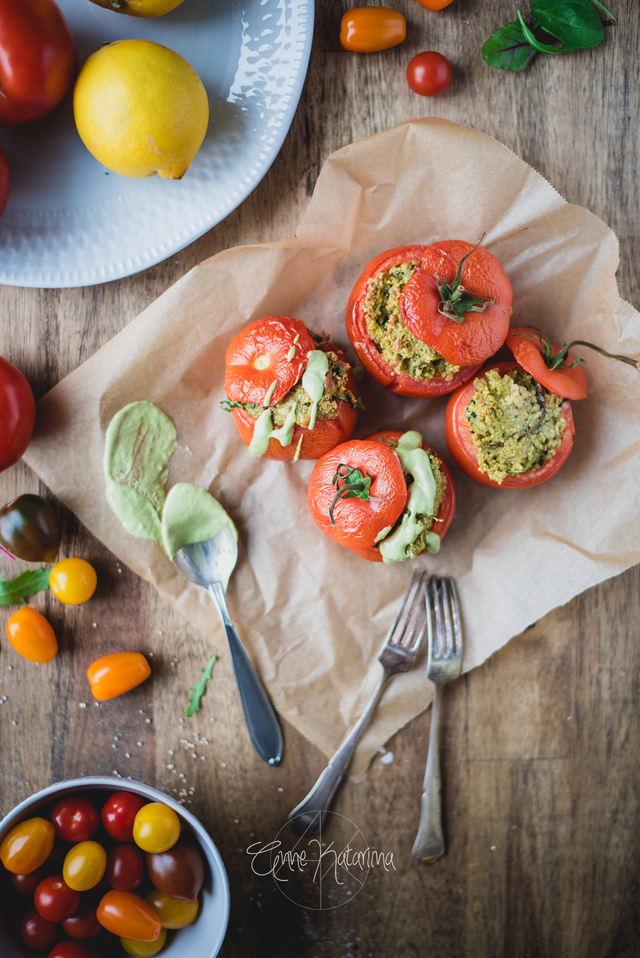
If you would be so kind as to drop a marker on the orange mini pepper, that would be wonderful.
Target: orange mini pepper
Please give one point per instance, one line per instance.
(367, 29)
(31, 635)
(434, 4)
(115, 674)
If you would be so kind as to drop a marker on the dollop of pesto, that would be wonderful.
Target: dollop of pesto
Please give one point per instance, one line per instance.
(413, 533)
(514, 424)
(191, 515)
(400, 349)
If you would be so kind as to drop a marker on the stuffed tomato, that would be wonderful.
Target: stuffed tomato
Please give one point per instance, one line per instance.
(507, 430)
(423, 319)
(388, 498)
(291, 393)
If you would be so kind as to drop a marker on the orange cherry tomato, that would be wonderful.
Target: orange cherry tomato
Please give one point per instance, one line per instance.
(27, 846)
(434, 4)
(73, 581)
(84, 866)
(368, 29)
(31, 635)
(156, 828)
(128, 916)
(115, 674)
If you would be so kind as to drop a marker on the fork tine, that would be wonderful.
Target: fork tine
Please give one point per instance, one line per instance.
(449, 635)
(457, 624)
(438, 609)
(405, 599)
(408, 629)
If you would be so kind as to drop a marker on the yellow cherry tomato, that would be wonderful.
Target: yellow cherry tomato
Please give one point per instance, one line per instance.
(27, 846)
(117, 673)
(144, 949)
(31, 635)
(173, 912)
(156, 828)
(84, 866)
(73, 581)
(367, 29)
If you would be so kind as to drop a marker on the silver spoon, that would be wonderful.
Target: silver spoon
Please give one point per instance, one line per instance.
(210, 564)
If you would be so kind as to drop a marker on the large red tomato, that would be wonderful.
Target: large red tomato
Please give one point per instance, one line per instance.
(367, 350)
(38, 60)
(461, 446)
(361, 520)
(17, 414)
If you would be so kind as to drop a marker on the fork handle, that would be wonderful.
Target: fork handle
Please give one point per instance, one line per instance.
(307, 817)
(429, 844)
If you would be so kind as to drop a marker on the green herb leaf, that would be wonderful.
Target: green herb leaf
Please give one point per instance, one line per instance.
(200, 687)
(27, 583)
(574, 22)
(508, 49)
(542, 47)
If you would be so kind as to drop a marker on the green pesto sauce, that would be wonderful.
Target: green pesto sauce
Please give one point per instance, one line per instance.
(400, 349)
(263, 432)
(500, 416)
(266, 402)
(139, 443)
(191, 515)
(313, 380)
(420, 504)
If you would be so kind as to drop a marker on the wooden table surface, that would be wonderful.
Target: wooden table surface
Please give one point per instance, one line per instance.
(539, 745)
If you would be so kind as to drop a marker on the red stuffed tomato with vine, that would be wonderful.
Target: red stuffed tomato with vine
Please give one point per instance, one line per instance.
(360, 494)
(494, 450)
(291, 393)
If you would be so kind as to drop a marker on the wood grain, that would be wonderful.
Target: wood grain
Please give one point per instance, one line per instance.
(539, 746)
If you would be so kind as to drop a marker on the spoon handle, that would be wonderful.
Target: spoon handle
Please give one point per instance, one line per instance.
(260, 718)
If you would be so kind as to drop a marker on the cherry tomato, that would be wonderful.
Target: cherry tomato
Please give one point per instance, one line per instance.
(54, 900)
(27, 884)
(368, 29)
(36, 932)
(73, 581)
(178, 872)
(27, 846)
(434, 4)
(125, 867)
(460, 442)
(84, 865)
(84, 924)
(173, 912)
(75, 819)
(5, 181)
(71, 949)
(115, 674)
(31, 635)
(38, 60)
(156, 828)
(29, 528)
(119, 813)
(128, 916)
(429, 73)
(144, 949)
(17, 406)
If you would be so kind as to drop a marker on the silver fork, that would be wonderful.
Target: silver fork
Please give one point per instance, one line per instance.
(444, 636)
(397, 655)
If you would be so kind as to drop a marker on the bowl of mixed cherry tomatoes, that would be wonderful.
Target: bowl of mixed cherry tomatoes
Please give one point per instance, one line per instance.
(89, 870)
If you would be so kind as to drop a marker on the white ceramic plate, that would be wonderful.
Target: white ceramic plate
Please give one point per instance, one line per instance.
(69, 223)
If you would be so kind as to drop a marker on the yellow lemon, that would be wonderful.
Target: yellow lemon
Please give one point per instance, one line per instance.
(141, 109)
(141, 8)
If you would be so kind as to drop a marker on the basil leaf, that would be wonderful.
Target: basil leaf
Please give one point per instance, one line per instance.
(574, 22)
(507, 49)
(26, 584)
(200, 687)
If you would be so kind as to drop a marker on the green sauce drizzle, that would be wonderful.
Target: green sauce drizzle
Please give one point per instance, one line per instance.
(421, 500)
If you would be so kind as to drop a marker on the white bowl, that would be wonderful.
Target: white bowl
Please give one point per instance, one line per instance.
(204, 938)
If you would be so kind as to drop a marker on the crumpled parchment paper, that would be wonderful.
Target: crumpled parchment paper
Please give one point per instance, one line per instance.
(312, 614)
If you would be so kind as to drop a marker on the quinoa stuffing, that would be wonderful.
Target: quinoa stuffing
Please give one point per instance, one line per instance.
(516, 425)
(335, 388)
(400, 349)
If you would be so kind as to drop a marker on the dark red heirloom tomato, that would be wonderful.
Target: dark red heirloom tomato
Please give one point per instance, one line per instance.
(75, 819)
(38, 60)
(36, 932)
(372, 471)
(5, 181)
(125, 867)
(275, 350)
(460, 440)
(119, 813)
(84, 924)
(71, 949)
(17, 414)
(54, 900)
(178, 872)
(365, 347)
(27, 884)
